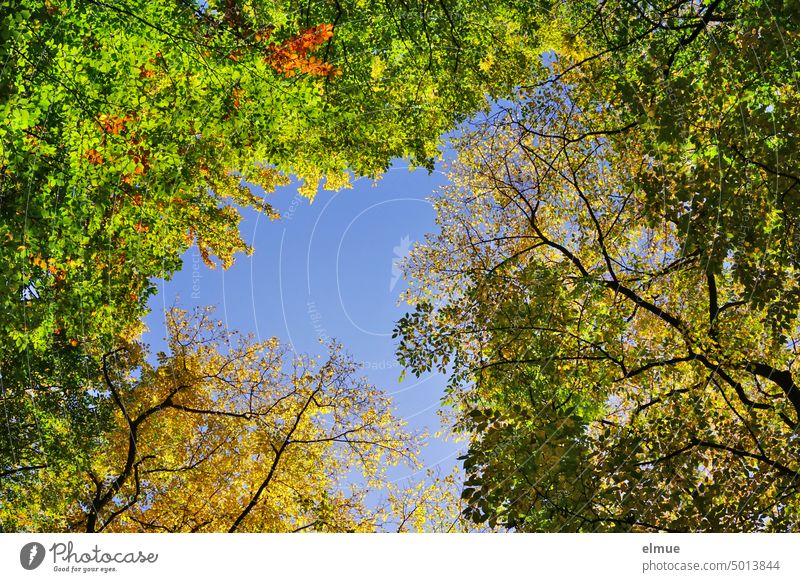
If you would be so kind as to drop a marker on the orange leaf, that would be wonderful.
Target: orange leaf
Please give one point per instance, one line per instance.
(93, 156)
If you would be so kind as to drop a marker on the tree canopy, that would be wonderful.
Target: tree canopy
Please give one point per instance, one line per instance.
(613, 293)
(133, 130)
(221, 434)
(615, 289)
(707, 93)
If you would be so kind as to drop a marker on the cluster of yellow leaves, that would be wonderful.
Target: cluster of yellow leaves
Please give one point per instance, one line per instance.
(229, 434)
(430, 504)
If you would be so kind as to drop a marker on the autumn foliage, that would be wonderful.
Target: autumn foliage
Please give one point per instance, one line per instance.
(293, 56)
(613, 291)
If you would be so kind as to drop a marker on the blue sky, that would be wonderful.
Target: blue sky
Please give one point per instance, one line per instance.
(327, 270)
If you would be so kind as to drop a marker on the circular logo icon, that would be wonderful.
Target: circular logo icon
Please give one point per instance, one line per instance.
(31, 555)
